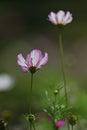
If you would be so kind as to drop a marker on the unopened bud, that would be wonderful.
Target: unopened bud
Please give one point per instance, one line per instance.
(31, 118)
(72, 120)
(55, 91)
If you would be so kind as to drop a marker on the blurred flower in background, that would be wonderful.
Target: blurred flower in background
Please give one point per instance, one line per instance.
(2, 124)
(60, 123)
(6, 82)
(6, 114)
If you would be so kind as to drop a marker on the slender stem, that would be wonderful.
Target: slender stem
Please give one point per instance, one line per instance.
(72, 127)
(30, 110)
(30, 126)
(68, 126)
(63, 67)
(55, 101)
(55, 105)
(27, 127)
(31, 92)
(34, 126)
(63, 71)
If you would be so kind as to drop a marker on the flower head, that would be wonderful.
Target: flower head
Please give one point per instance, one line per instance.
(60, 123)
(33, 61)
(60, 18)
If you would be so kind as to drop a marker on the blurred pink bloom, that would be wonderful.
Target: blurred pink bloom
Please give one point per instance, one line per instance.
(33, 61)
(60, 18)
(60, 123)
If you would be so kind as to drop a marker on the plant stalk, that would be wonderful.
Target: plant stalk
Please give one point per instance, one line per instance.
(72, 127)
(63, 67)
(31, 93)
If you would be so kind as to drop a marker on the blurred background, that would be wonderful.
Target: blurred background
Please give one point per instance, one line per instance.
(24, 26)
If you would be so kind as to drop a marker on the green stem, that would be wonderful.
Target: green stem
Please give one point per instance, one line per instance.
(63, 71)
(63, 67)
(55, 106)
(68, 126)
(31, 93)
(30, 126)
(55, 101)
(72, 127)
(34, 126)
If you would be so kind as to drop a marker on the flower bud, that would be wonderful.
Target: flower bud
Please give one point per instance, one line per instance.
(55, 92)
(72, 120)
(31, 118)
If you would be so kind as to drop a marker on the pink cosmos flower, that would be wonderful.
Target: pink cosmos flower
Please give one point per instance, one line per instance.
(60, 18)
(60, 123)
(33, 61)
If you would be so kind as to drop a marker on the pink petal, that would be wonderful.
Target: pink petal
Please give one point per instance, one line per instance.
(43, 61)
(60, 15)
(24, 69)
(35, 56)
(22, 63)
(52, 17)
(20, 60)
(29, 60)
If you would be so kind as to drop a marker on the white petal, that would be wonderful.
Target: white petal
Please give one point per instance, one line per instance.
(52, 17)
(21, 61)
(60, 15)
(36, 56)
(67, 18)
(43, 61)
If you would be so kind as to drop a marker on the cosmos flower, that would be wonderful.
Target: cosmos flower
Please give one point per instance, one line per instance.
(60, 18)
(60, 123)
(33, 61)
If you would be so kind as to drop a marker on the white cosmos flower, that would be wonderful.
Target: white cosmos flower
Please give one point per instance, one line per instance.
(60, 18)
